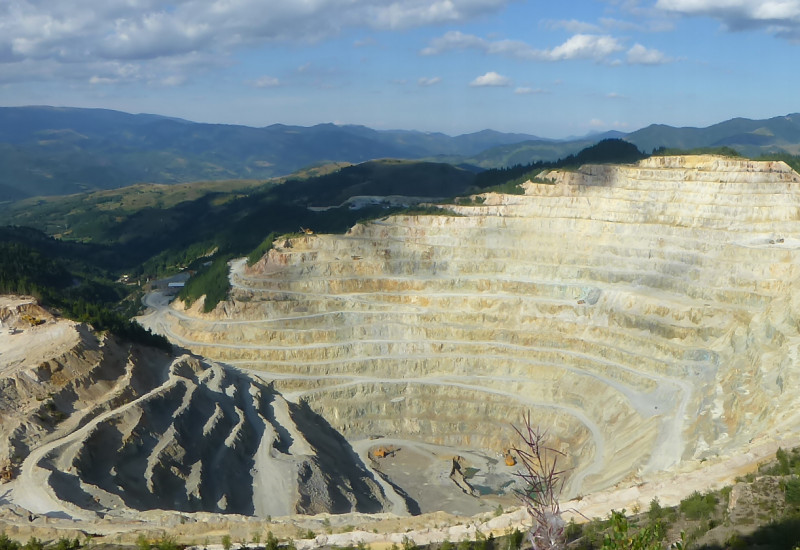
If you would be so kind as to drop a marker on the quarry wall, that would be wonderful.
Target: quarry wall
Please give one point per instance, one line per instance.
(645, 314)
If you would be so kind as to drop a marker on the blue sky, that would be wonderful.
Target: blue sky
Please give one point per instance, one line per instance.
(549, 68)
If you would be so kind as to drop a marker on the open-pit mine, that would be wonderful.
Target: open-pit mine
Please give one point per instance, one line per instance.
(645, 315)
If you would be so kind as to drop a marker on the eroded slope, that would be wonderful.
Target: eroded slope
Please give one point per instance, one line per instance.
(91, 425)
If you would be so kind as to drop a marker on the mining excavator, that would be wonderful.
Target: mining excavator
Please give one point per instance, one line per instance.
(6, 471)
(383, 452)
(30, 319)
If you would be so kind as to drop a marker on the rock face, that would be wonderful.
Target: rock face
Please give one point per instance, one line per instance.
(646, 315)
(94, 425)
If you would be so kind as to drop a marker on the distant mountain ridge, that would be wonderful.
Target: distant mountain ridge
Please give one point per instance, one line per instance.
(749, 137)
(52, 151)
(60, 150)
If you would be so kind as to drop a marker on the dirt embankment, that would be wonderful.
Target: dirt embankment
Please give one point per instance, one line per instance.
(94, 427)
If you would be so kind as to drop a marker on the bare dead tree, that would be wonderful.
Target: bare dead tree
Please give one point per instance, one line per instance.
(543, 482)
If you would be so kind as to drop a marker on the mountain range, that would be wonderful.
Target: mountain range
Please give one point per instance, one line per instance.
(55, 151)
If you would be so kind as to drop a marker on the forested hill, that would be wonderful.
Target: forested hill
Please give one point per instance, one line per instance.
(56, 151)
(66, 277)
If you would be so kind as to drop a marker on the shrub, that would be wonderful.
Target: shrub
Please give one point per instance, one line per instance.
(6, 543)
(697, 506)
(272, 542)
(648, 538)
(516, 538)
(656, 512)
(573, 531)
(783, 462)
(166, 543)
(66, 544)
(792, 491)
(736, 542)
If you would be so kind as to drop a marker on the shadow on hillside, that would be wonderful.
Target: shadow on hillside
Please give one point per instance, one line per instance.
(778, 535)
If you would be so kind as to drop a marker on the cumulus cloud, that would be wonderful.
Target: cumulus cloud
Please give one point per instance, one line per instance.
(145, 31)
(781, 17)
(579, 46)
(584, 46)
(639, 55)
(491, 79)
(429, 81)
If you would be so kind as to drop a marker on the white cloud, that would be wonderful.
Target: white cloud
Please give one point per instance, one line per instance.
(609, 24)
(429, 81)
(615, 95)
(147, 32)
(454, 40)
(529, 91)
(781, 17)
(579, 46)
(573, 25)
(102, 80)
(266, 82)
(585, 46)
(173, 80)
(491, 79)
(639, 55)
(413, 13)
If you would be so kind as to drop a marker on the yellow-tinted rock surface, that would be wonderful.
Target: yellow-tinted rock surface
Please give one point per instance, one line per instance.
(645, 315)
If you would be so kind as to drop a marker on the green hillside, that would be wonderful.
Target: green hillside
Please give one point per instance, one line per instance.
(749, 137)
(155, 228)
(55, 151)
(68, 278)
